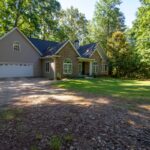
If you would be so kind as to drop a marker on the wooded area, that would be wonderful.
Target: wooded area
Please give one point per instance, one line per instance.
(128, 50)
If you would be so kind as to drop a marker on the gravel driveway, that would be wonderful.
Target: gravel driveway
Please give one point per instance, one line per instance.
(82, 121)
(12, 90)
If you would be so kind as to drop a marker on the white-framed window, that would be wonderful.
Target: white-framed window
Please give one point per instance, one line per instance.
(95, 67)
(47, 67)
(104, 68)
(67, 66)
(16, 46)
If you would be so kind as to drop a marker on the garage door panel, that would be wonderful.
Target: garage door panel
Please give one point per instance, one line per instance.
(16, 70)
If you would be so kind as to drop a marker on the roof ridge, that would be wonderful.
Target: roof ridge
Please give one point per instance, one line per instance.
(44, 40)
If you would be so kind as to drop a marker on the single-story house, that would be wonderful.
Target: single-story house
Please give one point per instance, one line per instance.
(21, 56)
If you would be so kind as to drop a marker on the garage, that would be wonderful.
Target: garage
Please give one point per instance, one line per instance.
(16, 70)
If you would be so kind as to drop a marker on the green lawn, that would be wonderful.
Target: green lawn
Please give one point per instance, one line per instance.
(129, 89)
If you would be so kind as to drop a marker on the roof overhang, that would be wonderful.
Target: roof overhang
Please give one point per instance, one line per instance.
(21, 33)
(85, 59)
(53, 56)
(65, 45)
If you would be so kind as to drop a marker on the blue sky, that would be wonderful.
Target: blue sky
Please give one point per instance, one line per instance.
(128, 7)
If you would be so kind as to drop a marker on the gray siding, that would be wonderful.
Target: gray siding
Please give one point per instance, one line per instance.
(50, 74)
(28, 54)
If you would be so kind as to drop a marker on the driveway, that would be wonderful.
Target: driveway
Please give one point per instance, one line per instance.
(16, 90)
(44, 115)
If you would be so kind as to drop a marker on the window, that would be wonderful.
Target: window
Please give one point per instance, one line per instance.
(16, 46)
(47, 69)
(67, 66)
(95, 67)
(104, 68)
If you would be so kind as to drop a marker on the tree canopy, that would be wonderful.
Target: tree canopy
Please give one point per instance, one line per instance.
(140, 36)
(128, 50)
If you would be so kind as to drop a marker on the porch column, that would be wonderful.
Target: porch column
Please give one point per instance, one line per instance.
(55, 78)
(90, 69)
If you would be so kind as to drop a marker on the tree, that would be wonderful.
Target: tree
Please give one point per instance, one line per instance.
(73, 24)
(107, 19)
(36, 18)
(121, 56)
(140, 35)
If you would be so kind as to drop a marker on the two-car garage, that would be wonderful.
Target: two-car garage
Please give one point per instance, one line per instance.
(16, 70)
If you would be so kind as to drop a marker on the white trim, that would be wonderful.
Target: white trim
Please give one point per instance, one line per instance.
(95, 67)
(16, 42)
(15, 62)
(65, 45)
(53, 56)
(85, 59)
(23, 36)
(103, 68)
(67, 66)
(8, 33)
(91, 68)
(55, 77)
(29, 41)
(96, 49)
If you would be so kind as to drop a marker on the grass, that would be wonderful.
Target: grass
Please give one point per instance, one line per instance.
(129, 89)
(55, 143)
(10, 114)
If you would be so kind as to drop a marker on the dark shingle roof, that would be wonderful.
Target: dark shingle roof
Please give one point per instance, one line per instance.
(53, 50)
(87, 50)
(49, 48)
(42, 45)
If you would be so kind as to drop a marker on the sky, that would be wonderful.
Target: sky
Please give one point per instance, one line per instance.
(128, 7)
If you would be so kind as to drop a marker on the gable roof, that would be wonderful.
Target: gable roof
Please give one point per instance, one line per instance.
(49, 48)
(43, 45)
(22, 34)
(87, 50)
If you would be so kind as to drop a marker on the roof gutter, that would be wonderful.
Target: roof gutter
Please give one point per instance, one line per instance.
(85, 59)
(53, 56)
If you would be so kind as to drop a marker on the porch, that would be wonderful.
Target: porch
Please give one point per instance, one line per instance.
(85, 66)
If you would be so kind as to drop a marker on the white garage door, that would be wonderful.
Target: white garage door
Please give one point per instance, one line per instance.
(16, 70)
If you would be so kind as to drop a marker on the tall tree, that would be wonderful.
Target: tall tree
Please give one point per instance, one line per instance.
(107, 19)
(122, 60)
(34, 17)
(73, 24)
(140, 34)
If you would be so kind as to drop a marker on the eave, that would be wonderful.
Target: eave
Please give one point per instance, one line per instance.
(85, 59)
(53, 56)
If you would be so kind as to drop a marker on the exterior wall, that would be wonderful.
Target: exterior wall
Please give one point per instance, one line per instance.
(67, 52)
(50, 74)
(97, 58)
(27, 54)
(100, 62)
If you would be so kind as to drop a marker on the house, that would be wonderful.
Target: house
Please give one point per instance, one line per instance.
(28, 57)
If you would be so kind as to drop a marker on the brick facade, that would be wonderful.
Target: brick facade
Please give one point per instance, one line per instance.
(67, 52)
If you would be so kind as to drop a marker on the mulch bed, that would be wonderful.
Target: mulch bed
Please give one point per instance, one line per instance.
(94, 127)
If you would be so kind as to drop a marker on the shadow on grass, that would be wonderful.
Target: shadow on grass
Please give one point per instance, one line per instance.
(128, 89)
(92, 121)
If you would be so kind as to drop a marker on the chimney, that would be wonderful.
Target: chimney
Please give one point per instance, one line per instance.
(76, 44)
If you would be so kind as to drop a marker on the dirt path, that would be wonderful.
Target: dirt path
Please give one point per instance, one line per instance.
(80, 121)
(12, 90)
